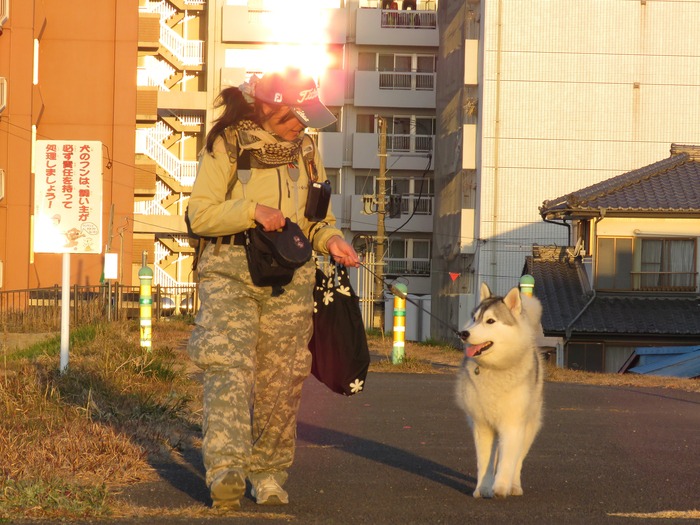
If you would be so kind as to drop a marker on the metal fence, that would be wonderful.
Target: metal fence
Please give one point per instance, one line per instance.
(39, 309)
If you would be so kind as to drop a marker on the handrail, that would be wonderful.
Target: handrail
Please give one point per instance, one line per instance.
(189, 52)
(184, 171)
(407, 80)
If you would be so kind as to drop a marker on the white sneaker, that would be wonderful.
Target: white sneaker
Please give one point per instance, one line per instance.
(267, 491)
(227, 489)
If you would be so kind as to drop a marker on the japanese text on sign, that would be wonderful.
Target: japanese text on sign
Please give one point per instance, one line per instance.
(68, 197)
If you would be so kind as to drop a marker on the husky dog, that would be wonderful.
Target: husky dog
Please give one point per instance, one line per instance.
(499, 387)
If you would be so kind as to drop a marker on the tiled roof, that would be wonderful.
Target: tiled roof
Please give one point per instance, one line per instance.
(670, 186)
(561, 286)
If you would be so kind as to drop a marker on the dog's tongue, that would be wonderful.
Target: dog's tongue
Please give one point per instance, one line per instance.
(475, 349)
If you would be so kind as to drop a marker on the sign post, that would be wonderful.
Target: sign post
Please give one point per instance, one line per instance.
(67, 209)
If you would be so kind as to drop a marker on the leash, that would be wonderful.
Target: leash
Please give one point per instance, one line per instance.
(459, 333)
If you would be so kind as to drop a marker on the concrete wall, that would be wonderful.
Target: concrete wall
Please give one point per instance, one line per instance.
(86, 90)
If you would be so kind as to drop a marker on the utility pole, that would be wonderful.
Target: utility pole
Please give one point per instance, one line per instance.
(381, 237)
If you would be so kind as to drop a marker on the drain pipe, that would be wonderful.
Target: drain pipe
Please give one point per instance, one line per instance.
(562, 223)
(568, 329)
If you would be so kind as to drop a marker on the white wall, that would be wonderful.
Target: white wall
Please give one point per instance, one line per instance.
(575, 93)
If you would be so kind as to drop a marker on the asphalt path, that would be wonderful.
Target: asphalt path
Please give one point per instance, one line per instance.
(401, 453)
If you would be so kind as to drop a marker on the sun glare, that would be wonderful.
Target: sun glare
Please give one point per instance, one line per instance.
(306, 30)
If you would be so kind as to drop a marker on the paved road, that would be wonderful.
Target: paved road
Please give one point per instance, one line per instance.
(401, 453)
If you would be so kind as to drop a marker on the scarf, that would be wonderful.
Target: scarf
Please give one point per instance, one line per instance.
(266, 148)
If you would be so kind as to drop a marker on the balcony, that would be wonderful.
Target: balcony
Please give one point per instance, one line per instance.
(330, 145)
(665, 281)
(242, 24)
(395, 89)
(404, 152)
(395, 267)
(397, 28)
(363, 220)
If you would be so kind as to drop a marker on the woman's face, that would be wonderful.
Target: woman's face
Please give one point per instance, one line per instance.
(281, 121)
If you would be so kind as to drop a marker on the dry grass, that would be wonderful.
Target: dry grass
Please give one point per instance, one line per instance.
(427, 358)
(68, 442)
(67, 439)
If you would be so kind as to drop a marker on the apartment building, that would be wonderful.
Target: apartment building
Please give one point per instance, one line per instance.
(543, 98)
(372, 65)
(489, 108)
(67, 73)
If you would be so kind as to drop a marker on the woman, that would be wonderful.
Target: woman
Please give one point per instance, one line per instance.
(252, 343)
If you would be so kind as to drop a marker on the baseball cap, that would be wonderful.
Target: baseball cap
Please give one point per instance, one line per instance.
(299, 92)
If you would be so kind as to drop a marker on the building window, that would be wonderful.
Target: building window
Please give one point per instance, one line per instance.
(646, 264)
(585, 356)
(665, 264)
(614, 263)
(597, 357)
(408, 257)
(333, 175)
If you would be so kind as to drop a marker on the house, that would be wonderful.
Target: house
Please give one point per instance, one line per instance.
(629, 278)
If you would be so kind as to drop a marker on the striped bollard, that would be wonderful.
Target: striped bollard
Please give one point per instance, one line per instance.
(145, 303)
(527, 285)
(398, 351)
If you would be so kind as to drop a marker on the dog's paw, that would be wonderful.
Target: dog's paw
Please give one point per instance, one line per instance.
(517, 490)
(501, 490)
(483, 492)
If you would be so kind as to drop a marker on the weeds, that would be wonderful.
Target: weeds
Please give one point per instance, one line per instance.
(66, 438)
(52, 499)
(68, 441)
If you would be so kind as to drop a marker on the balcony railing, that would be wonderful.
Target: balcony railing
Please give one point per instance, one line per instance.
(665, 281)
(409, 143)
(409, 19)
(407, 266)
(407, 80)
(188, 52)
(416, 204)
(184, 171)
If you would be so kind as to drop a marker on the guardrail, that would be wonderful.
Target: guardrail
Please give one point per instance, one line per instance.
(39, 309)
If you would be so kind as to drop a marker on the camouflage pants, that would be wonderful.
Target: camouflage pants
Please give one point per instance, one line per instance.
(253, 350)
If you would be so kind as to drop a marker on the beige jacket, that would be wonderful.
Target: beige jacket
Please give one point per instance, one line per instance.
(211, 215)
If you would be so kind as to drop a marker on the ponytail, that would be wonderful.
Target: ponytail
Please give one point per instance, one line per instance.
(235, 109)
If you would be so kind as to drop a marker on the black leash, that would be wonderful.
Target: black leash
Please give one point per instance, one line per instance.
(461, 334)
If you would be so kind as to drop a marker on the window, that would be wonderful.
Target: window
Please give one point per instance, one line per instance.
(3, 94)
(333, 175)
(646, 264)
(584, 356)
(665, 264)
(614, 263)
(366, 61)
(596, 357)
(4, 12)
(408, 257)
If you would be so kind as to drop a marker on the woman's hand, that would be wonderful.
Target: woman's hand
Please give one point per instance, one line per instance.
(342, 251)
(271, 219)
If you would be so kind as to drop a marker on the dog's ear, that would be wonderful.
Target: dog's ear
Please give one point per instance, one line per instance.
(485, 291)
(513, 301)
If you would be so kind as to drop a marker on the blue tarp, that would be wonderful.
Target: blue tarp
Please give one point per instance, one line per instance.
(670, 363)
